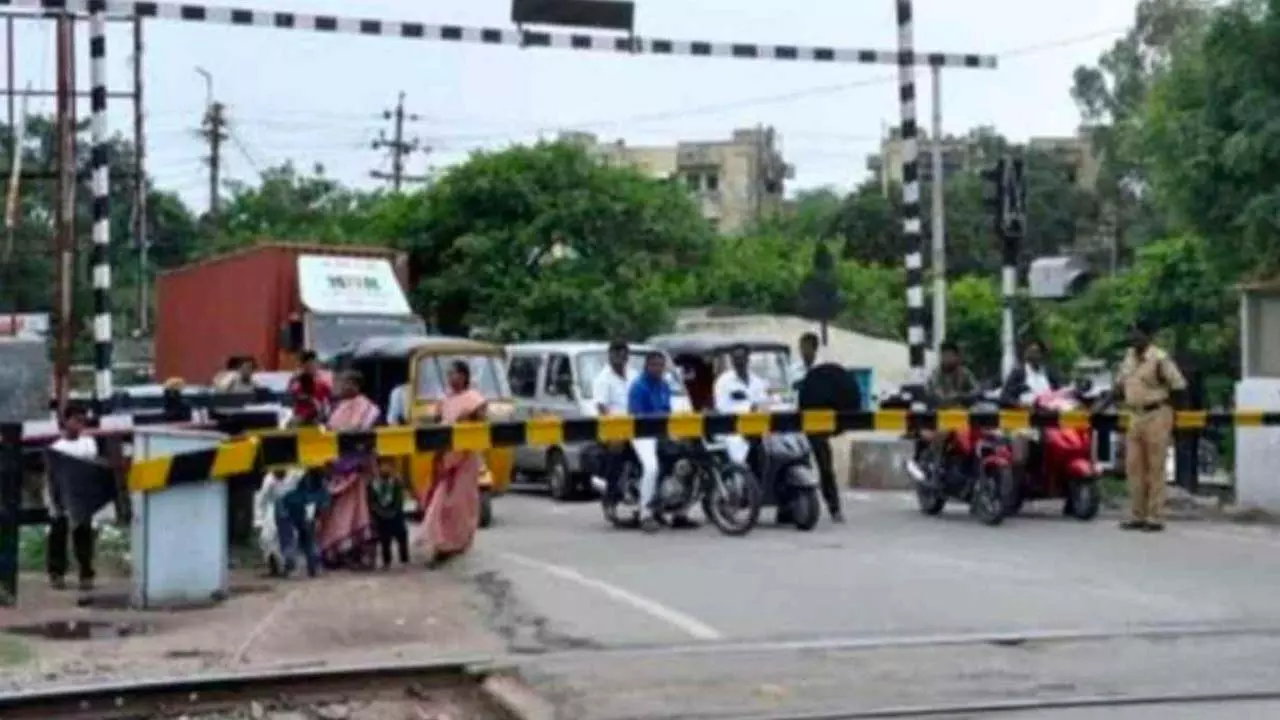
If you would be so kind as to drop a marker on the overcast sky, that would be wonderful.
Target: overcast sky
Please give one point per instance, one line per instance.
(312, 98)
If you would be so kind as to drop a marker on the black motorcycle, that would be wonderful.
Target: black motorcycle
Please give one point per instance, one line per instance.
(784, 465)
(690, 472)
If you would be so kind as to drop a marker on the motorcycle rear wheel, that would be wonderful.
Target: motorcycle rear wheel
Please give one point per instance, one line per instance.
(746, 493)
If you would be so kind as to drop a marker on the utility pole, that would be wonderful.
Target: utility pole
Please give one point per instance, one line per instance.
(214, 131)
(64, 209)
(400, 149)
(939, 260)
(140, 183)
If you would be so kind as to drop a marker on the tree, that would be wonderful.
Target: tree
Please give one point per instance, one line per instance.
(1112, 96)
(546, 242)
(1211, 135)
(27, 281)
(289, 205)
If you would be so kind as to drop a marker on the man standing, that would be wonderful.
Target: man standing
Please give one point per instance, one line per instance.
(58, 502)
(609, 392)
(821, 444)
(1146, 384)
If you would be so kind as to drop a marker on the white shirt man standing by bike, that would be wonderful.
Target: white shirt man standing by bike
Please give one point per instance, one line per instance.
(737, 391)
(609, 394)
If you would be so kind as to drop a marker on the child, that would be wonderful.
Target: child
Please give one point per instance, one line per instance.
(386, 505)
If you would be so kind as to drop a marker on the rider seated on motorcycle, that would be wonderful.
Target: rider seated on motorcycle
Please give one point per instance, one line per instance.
(738, 390)
(1026, 381)
(951, 383)
(650, 395)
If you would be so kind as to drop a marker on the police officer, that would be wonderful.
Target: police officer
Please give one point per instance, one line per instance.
(1147, 384)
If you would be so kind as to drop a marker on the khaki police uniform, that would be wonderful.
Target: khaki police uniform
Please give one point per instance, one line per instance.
(1146, 381)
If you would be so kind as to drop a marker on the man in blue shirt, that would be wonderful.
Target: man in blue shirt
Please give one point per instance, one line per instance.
(650, 395)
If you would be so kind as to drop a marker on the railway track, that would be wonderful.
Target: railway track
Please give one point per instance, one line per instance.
(207, 695)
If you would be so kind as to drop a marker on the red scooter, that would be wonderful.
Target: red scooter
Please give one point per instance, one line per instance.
(976, 467)
(1059, 463)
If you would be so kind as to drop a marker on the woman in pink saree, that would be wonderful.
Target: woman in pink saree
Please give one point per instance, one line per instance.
(452, 501)
(344, 530)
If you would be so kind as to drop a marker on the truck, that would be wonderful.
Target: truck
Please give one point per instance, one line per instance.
(272, 300)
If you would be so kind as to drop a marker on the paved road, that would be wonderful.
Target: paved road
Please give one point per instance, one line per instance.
(891, 609)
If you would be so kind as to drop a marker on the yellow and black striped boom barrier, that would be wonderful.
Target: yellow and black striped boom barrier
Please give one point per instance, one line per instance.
(313, 448)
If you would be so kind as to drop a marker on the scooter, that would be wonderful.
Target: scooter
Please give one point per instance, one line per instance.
(1060, 462)
(690, 472)
(975, 467)
(785, 469)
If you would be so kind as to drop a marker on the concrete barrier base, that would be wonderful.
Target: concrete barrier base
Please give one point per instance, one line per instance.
(874, 461)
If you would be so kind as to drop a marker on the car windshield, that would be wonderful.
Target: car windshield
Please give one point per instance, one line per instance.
(487, 375)
(329, 333)
(591, 363)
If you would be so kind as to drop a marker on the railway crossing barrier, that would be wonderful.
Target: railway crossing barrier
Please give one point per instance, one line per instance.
(221, 457)
(314, 448)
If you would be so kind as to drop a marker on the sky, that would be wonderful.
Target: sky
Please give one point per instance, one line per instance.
(320, 98)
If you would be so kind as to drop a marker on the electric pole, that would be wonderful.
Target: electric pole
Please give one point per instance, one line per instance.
(400, 149)
(214, 130)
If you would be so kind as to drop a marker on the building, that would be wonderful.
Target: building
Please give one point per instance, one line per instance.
(966, 155)
(735, 181)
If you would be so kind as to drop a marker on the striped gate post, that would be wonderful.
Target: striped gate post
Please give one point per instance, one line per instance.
(911, 235)
(100, 259)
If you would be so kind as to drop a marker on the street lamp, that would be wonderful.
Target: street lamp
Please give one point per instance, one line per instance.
(208, 85)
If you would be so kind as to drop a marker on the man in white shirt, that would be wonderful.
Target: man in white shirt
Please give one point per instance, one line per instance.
(397, 405)
(737, 391)
(76, 444)
(609, 396)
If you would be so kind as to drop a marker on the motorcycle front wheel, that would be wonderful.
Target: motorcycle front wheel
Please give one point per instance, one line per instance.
(805, 510)
(732, 499)
(991, 493)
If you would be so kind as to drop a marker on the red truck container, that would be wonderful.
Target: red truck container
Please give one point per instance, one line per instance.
(238, 304)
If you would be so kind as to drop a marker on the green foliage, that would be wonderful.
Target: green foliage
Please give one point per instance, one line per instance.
(546, 241)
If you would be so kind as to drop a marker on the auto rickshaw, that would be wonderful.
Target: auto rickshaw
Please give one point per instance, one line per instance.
(701, 358)
(421, 362)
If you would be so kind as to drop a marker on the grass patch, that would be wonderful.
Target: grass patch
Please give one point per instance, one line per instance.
(1114, 488)
(13, 651)
(111, 551)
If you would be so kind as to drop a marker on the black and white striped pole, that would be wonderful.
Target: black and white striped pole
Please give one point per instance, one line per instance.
(100, 261)
(911, 235)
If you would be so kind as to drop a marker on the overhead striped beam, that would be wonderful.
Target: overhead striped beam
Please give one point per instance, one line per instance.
(512, 37)
(313, 448)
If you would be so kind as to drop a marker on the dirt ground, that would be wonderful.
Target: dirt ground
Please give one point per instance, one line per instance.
(402, 614)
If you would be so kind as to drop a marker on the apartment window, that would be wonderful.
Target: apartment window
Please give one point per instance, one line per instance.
(713, 182)
(694, 181)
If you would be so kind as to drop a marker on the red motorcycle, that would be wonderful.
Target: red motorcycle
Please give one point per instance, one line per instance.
(1059, 463)
(975, 467)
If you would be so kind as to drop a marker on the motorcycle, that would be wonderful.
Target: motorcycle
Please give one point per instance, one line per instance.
(785, 469)
(1059, 461)
(690, 472)
(975, 466)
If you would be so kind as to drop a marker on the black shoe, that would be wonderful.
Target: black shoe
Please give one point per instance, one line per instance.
(1153, 527)
(650, 525)
(837, 517)
(1133, 525)
(57, 582)
(682, 522)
